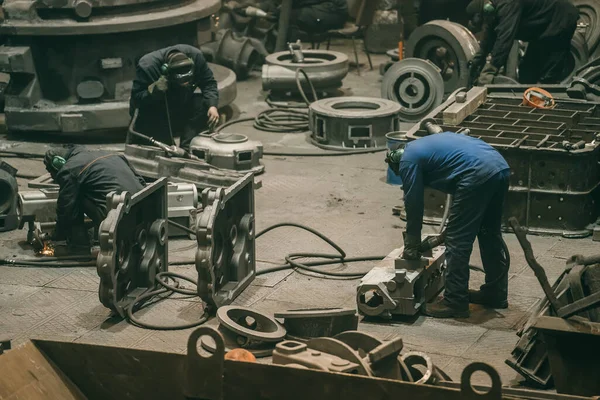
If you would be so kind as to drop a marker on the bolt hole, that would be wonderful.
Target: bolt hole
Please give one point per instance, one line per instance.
(249, 323)
(411, 90)
(372, 299)
(233, 234)
(481, 378)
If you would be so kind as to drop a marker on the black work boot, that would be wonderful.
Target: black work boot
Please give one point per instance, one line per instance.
(487, 299)
(440, 308)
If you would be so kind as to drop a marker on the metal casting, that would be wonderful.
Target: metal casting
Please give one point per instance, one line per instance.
(589, 14)
(152, 163)
(72, 62)
(428, 373)
(9, 190)
(133, 245)
(579, 55)
(318, 322)
(448, 45)
(326, 70)
(353, 122)
(236, 53)
(400, 287)
(226, 257)
(229, 151)
(552, 154)
(298, 355)
(416, 84)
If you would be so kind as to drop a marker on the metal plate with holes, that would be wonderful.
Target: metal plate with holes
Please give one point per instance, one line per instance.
(133, 244)
(448, 45)
(416, 85)
(226, 258)
(353, 122)
(229, 151)
(326, 70)
(250, 324)
(552, 188)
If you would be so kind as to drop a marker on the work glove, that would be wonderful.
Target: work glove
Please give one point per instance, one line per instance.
(412, 246)
(160, 86)
(487, 75)
(392, 158)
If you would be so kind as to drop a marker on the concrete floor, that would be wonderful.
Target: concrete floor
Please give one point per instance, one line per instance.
(346, 198)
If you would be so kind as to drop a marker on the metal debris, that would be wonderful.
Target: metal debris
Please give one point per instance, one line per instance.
(226, 257)
(133, 244)
(416, 84)
(318, 322)
(348, 123)
(398, 286)
(229, 151)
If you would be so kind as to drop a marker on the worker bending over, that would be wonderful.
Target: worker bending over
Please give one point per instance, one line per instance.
(547, 25)
(163, 92)
(477, 176)
(85, 178)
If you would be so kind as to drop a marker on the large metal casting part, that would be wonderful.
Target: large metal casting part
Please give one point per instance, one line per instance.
(353, 122)
(552, 154)
(318, 322)
(589, 14)
(226, 257)
(238, 54)
(400, 287)
(416, 85)
(9, 190)
(133, 245)
(79, 371)
(326, 70)
(449, 46)
(232, 151)
(152, 163)
(70, 74)
(40, 206)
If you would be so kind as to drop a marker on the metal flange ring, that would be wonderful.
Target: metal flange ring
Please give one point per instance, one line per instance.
(449, 46)
(262, 328)
(416, 85)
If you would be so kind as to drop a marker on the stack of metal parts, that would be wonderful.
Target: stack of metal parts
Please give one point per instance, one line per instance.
(232, 151)
(133, 245)
(40, 206)
(346, 123)
(9, 190)
(553, 155)
(559, 344)
(400, 287)
(325, 69)
(72, 62)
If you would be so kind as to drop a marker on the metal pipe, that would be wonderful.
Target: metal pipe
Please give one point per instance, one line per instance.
(284, 25)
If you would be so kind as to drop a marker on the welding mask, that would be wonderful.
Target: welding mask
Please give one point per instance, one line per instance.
(179, 69)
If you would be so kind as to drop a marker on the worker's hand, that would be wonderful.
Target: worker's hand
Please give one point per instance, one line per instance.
(213, 117)
(161, 85)
(392, 158)
(411, 247)
(487, 75)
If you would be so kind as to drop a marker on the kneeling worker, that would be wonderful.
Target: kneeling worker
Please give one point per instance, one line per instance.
(85, 177)
(548, 26)
(163, 92)
(477, 177)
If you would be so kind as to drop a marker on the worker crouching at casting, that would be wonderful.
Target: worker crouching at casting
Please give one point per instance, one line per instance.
(85, 178)
(477, 177)
(163, 92)
(547, 25)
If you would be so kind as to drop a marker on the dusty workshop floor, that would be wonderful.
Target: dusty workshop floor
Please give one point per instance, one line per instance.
(344, 197)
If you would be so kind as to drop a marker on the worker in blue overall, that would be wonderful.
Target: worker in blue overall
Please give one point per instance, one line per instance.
(477, 177)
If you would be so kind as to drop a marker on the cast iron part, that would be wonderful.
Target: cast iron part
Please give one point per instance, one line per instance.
(226, 257)
(448, 45)
(152, 163)
(428, 374)
(551, 189)
(416, 84)
(579, 55)
(400, 287)
(589, 14)
(298, 355)
(9, 190)
(133, 244)
(326, 70)
(236, 53)
(353, 122)
(73, 74)
(318, 322)
(231, 151)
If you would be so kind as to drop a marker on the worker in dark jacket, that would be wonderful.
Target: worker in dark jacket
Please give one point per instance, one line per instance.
(163, 91)
(477, 176)
(85, 177)
(547, 25)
